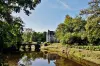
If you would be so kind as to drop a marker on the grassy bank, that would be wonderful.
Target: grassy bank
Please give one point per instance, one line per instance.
(83, 56)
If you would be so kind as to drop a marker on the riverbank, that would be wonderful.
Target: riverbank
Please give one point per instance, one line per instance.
(84, 57)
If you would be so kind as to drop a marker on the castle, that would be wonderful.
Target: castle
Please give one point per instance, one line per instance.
(50, 36)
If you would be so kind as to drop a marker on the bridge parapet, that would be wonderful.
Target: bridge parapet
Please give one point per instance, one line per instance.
(30, 46)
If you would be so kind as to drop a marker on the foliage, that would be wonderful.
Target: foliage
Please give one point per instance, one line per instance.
(27, 37)
(94, 48)
(79, 31)
(93, 30)
(60, 31)
(34, 36)
(39, 36)
(11, 33)
(92, 26)
(11, 27)
(71, 30)
(9, 6)
(93, 10)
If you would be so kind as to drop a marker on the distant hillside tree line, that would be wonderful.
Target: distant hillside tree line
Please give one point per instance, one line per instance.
(34, 36)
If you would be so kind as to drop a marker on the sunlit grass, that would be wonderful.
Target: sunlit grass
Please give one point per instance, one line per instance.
(90, 53)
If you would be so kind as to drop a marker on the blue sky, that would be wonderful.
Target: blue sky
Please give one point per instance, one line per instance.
(49, 13)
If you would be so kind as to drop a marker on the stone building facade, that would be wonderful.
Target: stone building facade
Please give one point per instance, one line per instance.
(50, 36)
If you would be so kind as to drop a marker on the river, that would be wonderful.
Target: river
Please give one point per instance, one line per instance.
(37, 59)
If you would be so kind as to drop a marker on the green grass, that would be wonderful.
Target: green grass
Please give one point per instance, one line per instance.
(94, 48)
(90, 53)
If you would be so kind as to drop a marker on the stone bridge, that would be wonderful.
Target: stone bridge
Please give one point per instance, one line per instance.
(29, 46)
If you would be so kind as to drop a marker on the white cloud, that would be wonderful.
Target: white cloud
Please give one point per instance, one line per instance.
(64, 4)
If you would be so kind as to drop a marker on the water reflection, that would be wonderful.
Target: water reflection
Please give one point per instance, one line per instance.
(25, 61)
(38, 59)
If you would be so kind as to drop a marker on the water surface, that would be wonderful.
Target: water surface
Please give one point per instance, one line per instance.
(37, 59)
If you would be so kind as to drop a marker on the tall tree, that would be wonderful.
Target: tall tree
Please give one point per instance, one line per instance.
(11, 27)
(11, 33)
(92, 25)
(71, 30)
(93, 10)
(9, 6)
(60, 31)
(93, 30)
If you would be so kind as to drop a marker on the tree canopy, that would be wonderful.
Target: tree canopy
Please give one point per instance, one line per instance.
(34, 36)
(93, 10)
(71, 28)
(79, 30)
(11, 27)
